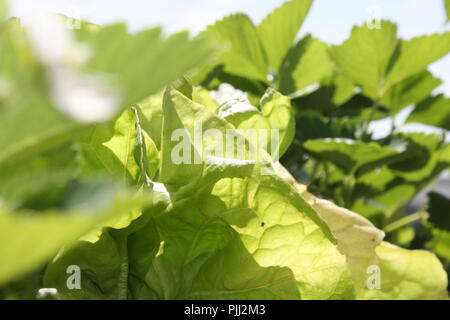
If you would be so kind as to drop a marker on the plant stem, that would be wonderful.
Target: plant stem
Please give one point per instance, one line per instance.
(405, 221)
(366, 125)
(314, 171)
(142, 150)
(349, 184)
(393, 127)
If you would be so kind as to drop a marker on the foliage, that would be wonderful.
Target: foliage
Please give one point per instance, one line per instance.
(106, 195)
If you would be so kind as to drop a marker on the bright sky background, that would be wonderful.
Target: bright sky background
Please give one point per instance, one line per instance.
(329, 20)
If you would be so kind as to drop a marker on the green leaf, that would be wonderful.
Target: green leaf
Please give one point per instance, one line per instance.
(275, 114)
(39, 181)
(267, 230)
(439, 210)
(115, 147)
(394, 198)
(411, 90)
(433, 111)
(226, 212)
(113, 261)
(203, 97)
(279, 29)
(47, 231)
(365, 56)
(111, 268)
(374, 182)
(312, 125)
(3, 10)
(151, 114)
(416, 54)
(423, 159)
(441, 243)
(357, 238)
(385, 203)
(402, 273)
(409, 275)
(447, 9)
(245, 54)
(189, 119)
(344, 88)
(30, 123)
(306, 63)
(263, 224)
(350, 155)
(131, 58)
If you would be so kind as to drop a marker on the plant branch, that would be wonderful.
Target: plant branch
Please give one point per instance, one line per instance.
(420, 215)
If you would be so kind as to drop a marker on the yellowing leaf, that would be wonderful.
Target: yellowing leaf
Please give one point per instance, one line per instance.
(356, 236)
(408, 275)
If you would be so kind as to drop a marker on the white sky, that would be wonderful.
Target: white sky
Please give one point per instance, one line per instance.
(329, 20)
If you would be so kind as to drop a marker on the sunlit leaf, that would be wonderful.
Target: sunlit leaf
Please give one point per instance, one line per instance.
(365, 56)
(350, 155)
(433, 111)
(416, 54)
(244, 54)
(409, 275)
(306, 63)
(410, 91)
(279, 29)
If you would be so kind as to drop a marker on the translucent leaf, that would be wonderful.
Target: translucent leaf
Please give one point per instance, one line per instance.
(276, 245)
(416, 54)
(3, 10)
(151, 114)
(306, 63)
(447, 9)
(183, 116)
(344, 88)
(356, 236)
(365, 56)
(244, 54)
(279, 29)
(116, 147)
(284, 248)
(408, 275)
(275, 114)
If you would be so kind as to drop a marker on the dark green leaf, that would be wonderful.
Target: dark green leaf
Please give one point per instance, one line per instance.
(433, 111)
